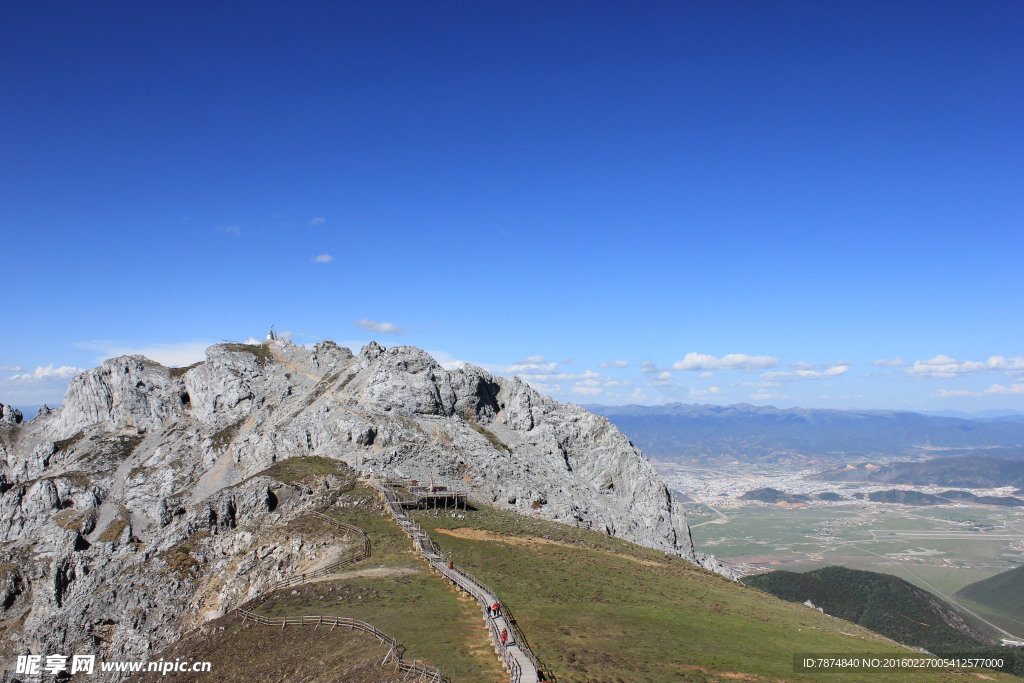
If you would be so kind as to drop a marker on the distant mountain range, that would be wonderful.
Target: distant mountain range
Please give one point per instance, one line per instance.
(969, 472)
(945, 498)
(774, 496)
(690, 433)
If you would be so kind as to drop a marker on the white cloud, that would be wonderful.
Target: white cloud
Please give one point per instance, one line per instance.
(945, 367)
(732, 361)
(702, 393)
(533, 360)
(566, 361)
(662, 379)
(757, 385)
(532, 368)
(706, 374)
(545, 388)
(323, 258)
(649, 366)
(614, 364)
(11, 368)
(561, 376)
(47, 373)
(995, 389)
(833, 370)
(883, 363)
(170, 354)
(590, 391)
(235, 230)
(319, 220)
(380, 327)
(638, 395)
(766, 396)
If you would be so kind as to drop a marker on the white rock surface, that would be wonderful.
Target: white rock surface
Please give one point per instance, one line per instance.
(162, 454)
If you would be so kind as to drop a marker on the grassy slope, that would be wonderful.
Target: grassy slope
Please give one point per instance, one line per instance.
(885, 604)
(420, 610)
(607, 610)
(1000, 597)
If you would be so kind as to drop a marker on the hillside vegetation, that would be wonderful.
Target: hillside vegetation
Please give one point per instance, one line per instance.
(887, 605)
(599, 609)
(1002, 593)
(593, 607)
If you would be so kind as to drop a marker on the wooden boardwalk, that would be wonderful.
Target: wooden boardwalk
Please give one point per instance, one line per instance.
(522, 664)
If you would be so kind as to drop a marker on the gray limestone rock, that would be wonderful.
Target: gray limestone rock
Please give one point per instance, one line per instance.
(155, 475)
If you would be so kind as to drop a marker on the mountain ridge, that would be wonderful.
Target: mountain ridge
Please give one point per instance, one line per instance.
(162, 479)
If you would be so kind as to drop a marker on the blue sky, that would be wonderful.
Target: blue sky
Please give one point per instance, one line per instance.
(788, 203)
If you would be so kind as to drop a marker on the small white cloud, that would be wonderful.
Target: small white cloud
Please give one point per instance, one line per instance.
(11, 368)
(47, 373)
(319, 220)
(883, 363)
(994, 390)
(1001, 390)
(380, 327)
(766, 396)
(945, 367)
(649, 366)
(833, 370)
(732, 361)
(171, 354)
(323, 258)
(638, 395)
(614, 364)
(566, 361)
(235, 230)
(706, 374)
(703, 393)
(534, 368)
(533, 360)
(545, 388)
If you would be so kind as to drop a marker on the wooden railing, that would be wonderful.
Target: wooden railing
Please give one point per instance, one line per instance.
(480, 591)
(395, 651)
(359, 552)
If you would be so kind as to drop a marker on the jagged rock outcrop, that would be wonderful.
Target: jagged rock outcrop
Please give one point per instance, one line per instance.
(142, 460)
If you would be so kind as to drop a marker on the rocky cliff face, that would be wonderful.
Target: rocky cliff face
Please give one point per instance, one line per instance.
(98, 499)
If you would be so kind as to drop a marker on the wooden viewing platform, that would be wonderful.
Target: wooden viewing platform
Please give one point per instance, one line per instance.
(425, 494)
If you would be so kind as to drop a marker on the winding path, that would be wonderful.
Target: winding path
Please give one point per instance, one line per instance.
(422, 671)
(522, 664)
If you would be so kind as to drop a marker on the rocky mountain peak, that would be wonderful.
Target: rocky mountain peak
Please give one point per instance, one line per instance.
(142, 456)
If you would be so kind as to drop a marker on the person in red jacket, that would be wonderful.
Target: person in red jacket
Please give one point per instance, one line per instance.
(504, 636)
(496, 610)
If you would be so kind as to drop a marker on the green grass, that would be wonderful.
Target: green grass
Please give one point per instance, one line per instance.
(420, 610)
(259, 350)
(490, 436)
(178, 372)
(221, 438)
(314, 467)
(594, 615)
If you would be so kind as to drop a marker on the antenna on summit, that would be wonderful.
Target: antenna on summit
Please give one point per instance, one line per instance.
(271, 336)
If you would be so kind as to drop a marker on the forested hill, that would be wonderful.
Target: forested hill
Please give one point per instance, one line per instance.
(883, 603)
